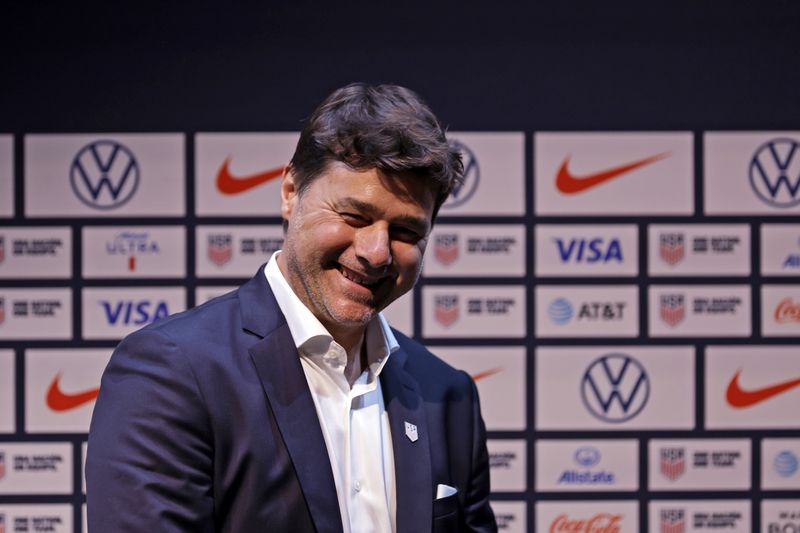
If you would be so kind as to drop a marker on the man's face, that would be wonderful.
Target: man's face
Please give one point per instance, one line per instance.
(354, 242)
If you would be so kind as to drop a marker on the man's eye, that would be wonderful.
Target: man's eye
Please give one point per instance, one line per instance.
(354, 218)
(406, 234)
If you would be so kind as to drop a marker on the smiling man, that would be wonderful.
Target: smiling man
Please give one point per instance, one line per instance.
(290, 404)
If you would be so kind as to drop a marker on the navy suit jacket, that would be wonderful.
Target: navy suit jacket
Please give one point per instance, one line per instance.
(205, 423)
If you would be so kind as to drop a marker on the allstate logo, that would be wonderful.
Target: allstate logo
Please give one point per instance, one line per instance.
(472, 174)
(775, 172)
(104, 174)
(615, 388)
(785, 463)
(560, 311)
(587, 456)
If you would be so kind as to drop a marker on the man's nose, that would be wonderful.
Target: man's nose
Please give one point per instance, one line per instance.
(374, 246)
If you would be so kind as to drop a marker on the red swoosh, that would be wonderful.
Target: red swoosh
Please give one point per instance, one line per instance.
(60, 401)
(571, 184)
(227, 183)
(740, 398)
(486, 373)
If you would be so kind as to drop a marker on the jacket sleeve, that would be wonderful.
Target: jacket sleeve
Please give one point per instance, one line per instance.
(149, 462)
(478, 515)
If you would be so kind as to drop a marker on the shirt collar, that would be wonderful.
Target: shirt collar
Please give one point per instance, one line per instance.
(308, 333)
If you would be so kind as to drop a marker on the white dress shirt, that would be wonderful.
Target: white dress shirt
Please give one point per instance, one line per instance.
(354, 420)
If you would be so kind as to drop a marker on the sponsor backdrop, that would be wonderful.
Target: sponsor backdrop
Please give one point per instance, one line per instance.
(625, 293)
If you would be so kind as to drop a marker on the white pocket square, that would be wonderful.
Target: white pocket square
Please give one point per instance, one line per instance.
(443, 491)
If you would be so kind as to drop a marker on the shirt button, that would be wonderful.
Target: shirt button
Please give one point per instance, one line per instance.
(357, 486)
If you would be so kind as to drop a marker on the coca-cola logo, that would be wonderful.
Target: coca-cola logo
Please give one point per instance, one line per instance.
(599, 523)
(787, 311)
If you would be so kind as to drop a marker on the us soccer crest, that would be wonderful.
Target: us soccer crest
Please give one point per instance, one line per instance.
(445, 248)
(2, 465)
(673, 309)
(673, 521)
(220, 248)
(671, 247)
(673, 463)
(446, 309)
(2, 523)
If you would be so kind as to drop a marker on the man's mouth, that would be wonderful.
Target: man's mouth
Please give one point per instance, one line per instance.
(361, 279)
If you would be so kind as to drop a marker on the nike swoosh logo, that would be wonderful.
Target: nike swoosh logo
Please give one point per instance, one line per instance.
(57, 400)
(227, 183)
(568, 183)
(486, 373)
(740, 398)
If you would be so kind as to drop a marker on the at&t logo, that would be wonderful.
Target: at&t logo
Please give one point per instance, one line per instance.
(472, 173)
(615, 388)
(775, 172)
(104, 174)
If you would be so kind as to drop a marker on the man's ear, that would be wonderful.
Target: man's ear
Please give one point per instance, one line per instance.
(288, 192)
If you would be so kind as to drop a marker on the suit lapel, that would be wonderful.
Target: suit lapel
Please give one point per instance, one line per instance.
(281, 374)
(412, 461)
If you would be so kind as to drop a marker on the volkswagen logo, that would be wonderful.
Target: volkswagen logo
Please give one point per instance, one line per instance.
(104, 174)
(472, 174)
(615, 388)
(775, 172)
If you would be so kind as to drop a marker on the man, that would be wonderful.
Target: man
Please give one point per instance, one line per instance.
(289, 404)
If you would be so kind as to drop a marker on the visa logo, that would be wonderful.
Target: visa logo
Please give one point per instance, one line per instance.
(126, 313)
(596, 250)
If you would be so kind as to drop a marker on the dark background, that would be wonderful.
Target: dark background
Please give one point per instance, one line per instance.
(189, 66)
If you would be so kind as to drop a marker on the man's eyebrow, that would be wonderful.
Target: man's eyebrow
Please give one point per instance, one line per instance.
(416, 223)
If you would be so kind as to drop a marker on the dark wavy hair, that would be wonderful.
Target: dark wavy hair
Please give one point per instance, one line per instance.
(386, 127)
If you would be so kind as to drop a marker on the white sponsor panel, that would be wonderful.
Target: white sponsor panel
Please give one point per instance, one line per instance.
(508, 464)
(105, 175)
(134, 252)
(204, 294)
(780, 249)
(699, 464)
(489, 250)
(400, 313)
(780, 310)
(35, 253)
(511, 517)
(751, 173)
(614, 388)
(469, 311)
(7, 390)
(699, 516)
(596, 250)
(698, 249)
(749, 387)
(36, 468)
(614, 173)
(587, 311)
(494, 174)
(61, 386)
(569, 516)
(36, 517)
(6, 176)
(85, 521)
(239, 174)
(84, 446)
(112, 313)
(780, 464)
(780, 516)
(699, 310)
(36, 314)
(235, 251)
(500, 374)
(598, 465)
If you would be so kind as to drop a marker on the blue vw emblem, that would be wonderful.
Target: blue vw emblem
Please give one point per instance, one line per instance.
(104, 174)
(775, 172)
(472, 173)
(615, 388)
